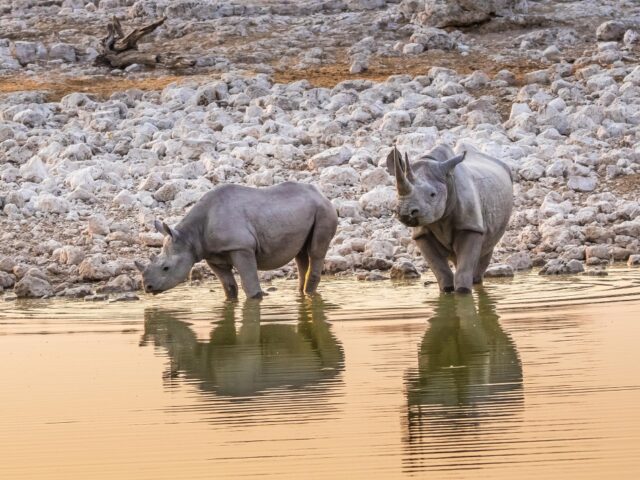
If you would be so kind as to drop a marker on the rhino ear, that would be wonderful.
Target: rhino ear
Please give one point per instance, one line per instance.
(448, 165)
(153, 257)
(159, 226)
(391, 161)
(139, 265)
(165, 229)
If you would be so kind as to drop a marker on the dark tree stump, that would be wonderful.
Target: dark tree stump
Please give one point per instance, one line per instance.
(119, 50)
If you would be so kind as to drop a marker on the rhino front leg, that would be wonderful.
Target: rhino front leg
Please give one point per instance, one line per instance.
(467, 247)
(247, 267)
(483, 263)
(226, 278)
(436, 256)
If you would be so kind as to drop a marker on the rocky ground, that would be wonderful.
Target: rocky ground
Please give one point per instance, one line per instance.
(312, 91)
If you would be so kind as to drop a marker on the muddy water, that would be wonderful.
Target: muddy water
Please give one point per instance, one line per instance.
(533, 377)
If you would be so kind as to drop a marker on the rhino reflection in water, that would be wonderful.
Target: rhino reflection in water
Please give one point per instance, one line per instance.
(244, 361)
(469, 376)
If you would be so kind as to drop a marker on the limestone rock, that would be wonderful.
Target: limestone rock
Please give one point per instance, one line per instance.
(499, 270)
(404, 270)
(33, 286)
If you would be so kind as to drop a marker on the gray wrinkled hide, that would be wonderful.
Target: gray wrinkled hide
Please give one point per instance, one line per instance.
(459, 207)
(250, 229)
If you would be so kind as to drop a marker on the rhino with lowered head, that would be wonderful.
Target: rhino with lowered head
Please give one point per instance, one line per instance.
(459, 207)
(250, 229)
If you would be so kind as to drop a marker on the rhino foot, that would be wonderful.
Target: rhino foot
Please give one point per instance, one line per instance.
(448, 289)
(464, 290)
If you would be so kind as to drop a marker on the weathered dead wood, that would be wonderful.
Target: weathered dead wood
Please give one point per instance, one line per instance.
(120, 50)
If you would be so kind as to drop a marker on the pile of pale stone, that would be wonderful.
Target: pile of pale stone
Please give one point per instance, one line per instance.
(81, 180)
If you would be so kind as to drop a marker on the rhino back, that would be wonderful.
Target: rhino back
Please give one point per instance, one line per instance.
(274, 221)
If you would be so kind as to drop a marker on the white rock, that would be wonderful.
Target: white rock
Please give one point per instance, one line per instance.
(404, 270)
(62, 51)
(166, 192)
(25, 52)
(520, 261)
(49, 203)
(95, 268)
(329, 157)
(499, 270)
(378, 176)
(532, 170)
(412, 49)
(611, 30)
(335, 264)
(151, 239)
(98, 225)
(77, 152)
(631, 37)
(519, 109)
(582, 184)
(69, 255)
(339, 175)
(379, 201)
(358, 66)
(34, 170)
(29, 118)
(125, 199)
(7, 280)
(33, 286)
(552, 53)
(395, 120)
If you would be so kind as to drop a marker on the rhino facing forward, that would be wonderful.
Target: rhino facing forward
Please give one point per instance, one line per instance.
(458, 210)
(250, 229)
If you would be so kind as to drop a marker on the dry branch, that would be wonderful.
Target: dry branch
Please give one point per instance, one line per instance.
(120, 50)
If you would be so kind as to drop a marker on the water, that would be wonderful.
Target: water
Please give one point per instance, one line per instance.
(531, 377)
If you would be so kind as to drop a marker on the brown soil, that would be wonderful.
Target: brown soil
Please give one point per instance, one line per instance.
(382, 67)
(628, 184)
(102, 86)
(322, 76)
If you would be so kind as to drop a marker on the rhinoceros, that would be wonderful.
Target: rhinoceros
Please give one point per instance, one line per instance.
(250, 229)
(458, 206)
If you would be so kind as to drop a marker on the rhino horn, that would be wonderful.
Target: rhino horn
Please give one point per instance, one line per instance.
(139, 265)
(448, 165)
(407, 168)
(403, 185)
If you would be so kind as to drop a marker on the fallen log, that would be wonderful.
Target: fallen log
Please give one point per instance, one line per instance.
(119, 50)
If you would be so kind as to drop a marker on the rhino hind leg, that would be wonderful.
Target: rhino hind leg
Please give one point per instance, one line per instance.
(324, 229)
(302, 262)
(226, 278)
(438, 259)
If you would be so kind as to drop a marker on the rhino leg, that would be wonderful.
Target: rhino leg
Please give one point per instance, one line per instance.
(467, 246)
(302, 262)
(323, 231)
(226, 278)
(437, 258)
(247, 266)
(483, 263)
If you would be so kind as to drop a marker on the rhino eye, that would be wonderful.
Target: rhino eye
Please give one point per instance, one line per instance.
(433, 194)
(166, 269)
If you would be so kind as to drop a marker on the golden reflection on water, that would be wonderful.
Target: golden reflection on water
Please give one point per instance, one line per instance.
(249, 359)
(530, 377)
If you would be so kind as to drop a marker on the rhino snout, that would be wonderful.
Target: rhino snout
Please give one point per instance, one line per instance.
(411, 218)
